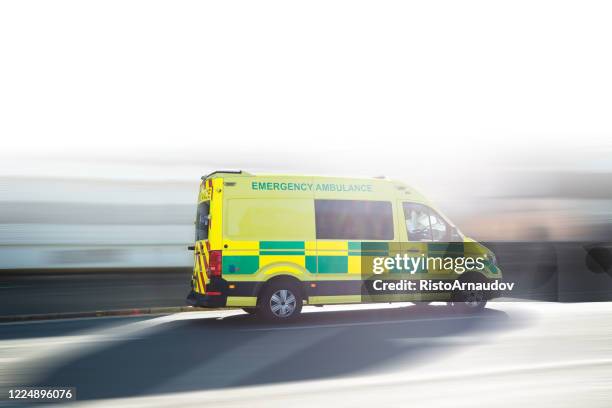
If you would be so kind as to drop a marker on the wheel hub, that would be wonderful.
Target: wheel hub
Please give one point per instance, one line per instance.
(283, 303)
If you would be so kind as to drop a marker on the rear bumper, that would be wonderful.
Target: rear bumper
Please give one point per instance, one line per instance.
(200, 300)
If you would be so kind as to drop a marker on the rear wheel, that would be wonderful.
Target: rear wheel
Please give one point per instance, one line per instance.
(280, 302)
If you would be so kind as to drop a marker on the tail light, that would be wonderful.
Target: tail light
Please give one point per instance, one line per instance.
(214, 264)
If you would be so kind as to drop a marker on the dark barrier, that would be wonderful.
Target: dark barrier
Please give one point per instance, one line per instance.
(557, 271)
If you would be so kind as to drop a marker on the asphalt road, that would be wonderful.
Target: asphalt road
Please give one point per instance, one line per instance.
(535, 354)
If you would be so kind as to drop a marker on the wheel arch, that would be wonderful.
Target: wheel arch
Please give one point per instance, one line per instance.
(283, 279)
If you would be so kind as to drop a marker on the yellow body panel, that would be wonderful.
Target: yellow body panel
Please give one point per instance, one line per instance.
(331, 300)
(241, 301)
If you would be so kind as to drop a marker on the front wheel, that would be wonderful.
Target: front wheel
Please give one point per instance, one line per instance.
(280, 302)
(469, 301)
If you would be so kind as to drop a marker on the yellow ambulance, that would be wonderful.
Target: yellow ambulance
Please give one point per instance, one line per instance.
(270, 244)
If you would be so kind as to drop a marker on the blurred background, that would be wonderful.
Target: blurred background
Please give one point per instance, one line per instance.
(111, 111)
(139, 212)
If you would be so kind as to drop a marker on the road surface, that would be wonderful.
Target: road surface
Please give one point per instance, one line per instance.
(534, 354)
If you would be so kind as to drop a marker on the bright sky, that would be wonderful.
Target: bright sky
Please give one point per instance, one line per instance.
(358, 87)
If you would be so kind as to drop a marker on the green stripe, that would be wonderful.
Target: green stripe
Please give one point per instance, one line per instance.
(354, 246)
(311, 263)
(282, 253)
(491, 267)
(333, 264)
(450, 248)
(240, 264)
(375, 246)
(281, 245)
(369, 253)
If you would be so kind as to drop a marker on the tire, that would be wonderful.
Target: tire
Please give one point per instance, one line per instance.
(280, 302)
(250, 310)
(469, 301)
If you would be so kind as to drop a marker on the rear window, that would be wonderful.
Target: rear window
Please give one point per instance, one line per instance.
(202, 220)
(353, 219)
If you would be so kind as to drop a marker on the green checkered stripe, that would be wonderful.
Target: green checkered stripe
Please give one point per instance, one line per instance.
(249, 264)
(321, 263)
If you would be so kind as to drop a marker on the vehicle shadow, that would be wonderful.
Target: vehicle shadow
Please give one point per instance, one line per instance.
(203, 354)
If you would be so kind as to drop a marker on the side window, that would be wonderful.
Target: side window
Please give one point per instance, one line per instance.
(353, 219)
(440, 230)
(417, 222)
(424, 224)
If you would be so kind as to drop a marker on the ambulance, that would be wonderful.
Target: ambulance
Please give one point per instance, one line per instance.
(270, 244)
